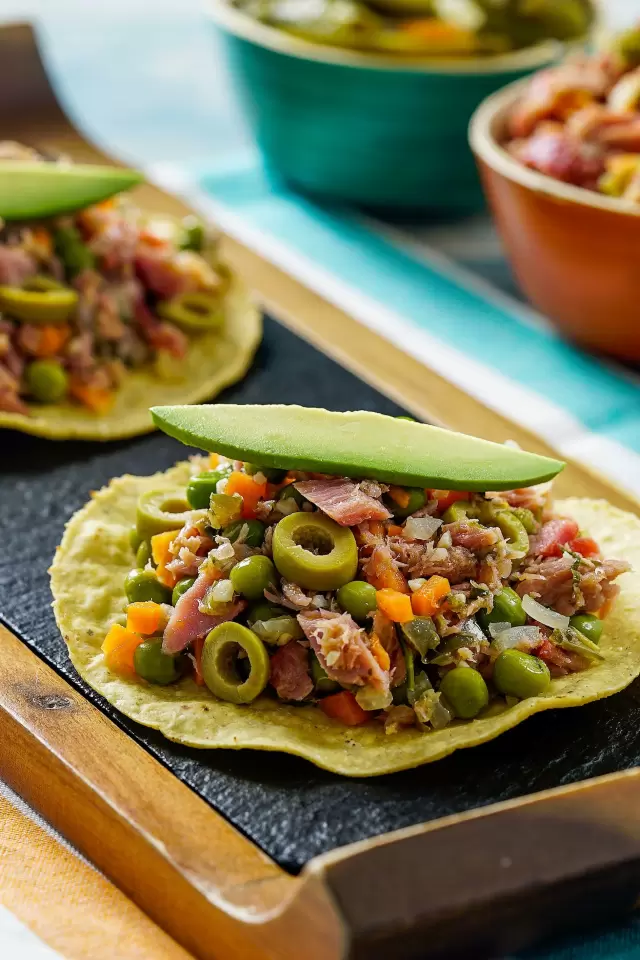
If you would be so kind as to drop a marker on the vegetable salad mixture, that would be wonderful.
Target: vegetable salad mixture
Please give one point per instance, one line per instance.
(580, 122)
(410, 607)
(87, 297)
(426, 27)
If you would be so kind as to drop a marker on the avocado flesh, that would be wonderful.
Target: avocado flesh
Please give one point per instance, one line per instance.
(35, 190)
(358, 444)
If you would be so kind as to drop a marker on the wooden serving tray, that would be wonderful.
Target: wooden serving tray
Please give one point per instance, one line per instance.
(238, 860)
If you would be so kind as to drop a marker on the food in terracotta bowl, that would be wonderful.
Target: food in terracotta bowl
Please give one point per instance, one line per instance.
(560, 159)
(426, 27)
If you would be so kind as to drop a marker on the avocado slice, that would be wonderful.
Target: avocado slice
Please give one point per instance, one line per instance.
(358, 444)
(36, 190)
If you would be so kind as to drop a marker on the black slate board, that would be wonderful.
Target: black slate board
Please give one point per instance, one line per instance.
(291, 809)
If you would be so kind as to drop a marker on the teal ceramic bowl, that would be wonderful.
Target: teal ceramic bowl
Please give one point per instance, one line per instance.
(365, 129)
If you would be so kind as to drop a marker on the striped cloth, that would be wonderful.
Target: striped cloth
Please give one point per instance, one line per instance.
(54, 905)
(434, 294)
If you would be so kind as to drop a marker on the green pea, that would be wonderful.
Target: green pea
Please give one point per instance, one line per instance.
(134, 538)
(518, 674)
(154, 666)
(591, 627)
(74, 253)
(358, 598)
(417, 499)
(220, 663)
(264, 611)
(254, 536)
(290, 491)
(252, 576)
(321, 682)
(200, 488)
(46, 381)
(272, 474)
(465, 691)
(144, 585)
(507, 608)
(193, 234)
(143, 554)
(181, 587)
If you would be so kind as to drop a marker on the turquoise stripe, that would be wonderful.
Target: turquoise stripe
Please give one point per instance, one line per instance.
(601, 398)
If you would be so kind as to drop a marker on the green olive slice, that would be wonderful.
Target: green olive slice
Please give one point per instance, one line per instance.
(160, 510)
(315, 552)
(193, 311)
(50, 306)
(220, 663)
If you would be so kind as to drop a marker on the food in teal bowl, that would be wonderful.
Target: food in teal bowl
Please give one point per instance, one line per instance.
(372, 128)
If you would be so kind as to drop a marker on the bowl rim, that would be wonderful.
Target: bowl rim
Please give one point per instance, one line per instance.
(486, 147)
(242, 25)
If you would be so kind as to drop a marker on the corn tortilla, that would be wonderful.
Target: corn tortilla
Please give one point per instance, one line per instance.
(87, 582)
(214, 361)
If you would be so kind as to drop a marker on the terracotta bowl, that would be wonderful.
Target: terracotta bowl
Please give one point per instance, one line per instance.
(576, 253)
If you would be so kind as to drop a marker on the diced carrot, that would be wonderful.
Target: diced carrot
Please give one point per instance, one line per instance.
(585, 546)
(96, 398)
(395, 605)
(428, 599)
(160, 544)
(606, 608)
(250, 491)
(446, 497)
(51, 340)
(393, 530)
(344, 707)
(152, 239)
(144, 617)
(400, 496)
(198, 645)
(382, 573)
(214, 460)
(380, 653)
(119, 647)
(42, 238)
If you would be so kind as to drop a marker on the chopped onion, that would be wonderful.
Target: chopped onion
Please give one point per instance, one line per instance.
(319, 600)
(224, 552)
(416, 584)
(421, 528)
(543, 614)
(439, 554)
(471, 628)
(222, 591)
(221, 485)
(522, 638)
(495, 629)
(259, 478)
(286, 506)
(445, 540)
(371, 699)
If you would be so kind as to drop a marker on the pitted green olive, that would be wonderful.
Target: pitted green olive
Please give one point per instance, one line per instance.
(220, 663)
(160, 510)
(195, 311)
(315, 552)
